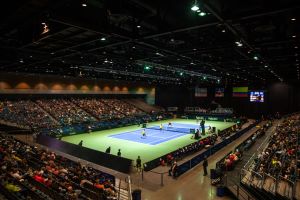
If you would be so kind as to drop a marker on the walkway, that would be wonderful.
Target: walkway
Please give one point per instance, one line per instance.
(191, 185)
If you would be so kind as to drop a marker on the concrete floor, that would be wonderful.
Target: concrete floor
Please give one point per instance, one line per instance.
(192, 185)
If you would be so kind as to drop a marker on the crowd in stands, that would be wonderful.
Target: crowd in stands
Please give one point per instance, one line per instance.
(59, 113)
(228, 162)
(25, 113)
(279, 157)
(65, 111)
(122, 107)
(96, 107)
(27, 171)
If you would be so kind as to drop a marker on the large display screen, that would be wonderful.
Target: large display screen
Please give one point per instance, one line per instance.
(257, 96)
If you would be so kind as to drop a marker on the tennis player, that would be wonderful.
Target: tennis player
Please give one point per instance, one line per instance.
(169, 124)
(143, 134)
(161, 127)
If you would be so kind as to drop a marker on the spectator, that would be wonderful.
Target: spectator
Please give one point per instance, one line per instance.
(107, 150)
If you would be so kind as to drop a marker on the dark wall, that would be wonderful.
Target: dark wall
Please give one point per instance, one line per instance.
(279, 97)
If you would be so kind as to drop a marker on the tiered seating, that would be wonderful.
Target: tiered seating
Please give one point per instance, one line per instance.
(30, 173)
(228, 162)
(65, 111)
(276, 165)
(96, 107)
(122, 107)
(25, 113)
(73, 115)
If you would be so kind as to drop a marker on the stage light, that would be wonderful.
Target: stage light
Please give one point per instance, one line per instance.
(293, 19)
(195, 8)
(181, 73)
(266, 66)
(138, 26)
(147, 67)
(83, 5)
(204, 77)
(202, 14)
(239, 44)
(294, 36)
(223, 31)
(255, 57)
(103, 39)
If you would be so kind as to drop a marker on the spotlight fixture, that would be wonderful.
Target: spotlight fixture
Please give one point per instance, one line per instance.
(294, 36)
(293, 19)
(223, 31)
(146, 67)
(266, 66)
(239, 43)
(83, 4)
(255, 57)
(138, 26)
(202, 14)
(103, 39)
(181, 74)
(195, 6)
(45, 28)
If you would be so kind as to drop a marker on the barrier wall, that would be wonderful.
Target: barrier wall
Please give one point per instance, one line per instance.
(107, 160)
(17, 83)
(183, 168)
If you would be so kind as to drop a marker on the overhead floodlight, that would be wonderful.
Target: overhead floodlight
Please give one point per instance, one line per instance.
(239, 44)
(195, 8)
(147, 67)
(202, 14)
(181, 74)
(83, 4)
(255, 57)
(103, 39)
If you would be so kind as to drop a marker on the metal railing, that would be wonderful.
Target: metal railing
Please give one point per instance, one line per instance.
(161, 174)
(129, 188)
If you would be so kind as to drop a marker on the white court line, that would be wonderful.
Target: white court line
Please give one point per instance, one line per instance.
(174, 136)
(152, 135)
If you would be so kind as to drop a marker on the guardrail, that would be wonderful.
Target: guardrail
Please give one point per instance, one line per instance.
(186, 166)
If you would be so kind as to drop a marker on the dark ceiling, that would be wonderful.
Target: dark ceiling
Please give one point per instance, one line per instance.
(160, 41)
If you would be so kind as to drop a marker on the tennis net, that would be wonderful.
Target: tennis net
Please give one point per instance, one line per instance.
(174, 129)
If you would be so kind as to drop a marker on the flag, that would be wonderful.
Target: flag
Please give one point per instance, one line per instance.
(219, 92)
(240, 91)
(200, 92)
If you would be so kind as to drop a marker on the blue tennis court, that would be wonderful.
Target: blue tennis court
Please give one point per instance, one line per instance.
(156, 136)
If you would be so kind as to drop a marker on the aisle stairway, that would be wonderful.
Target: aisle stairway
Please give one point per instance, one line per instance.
(233, 177)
